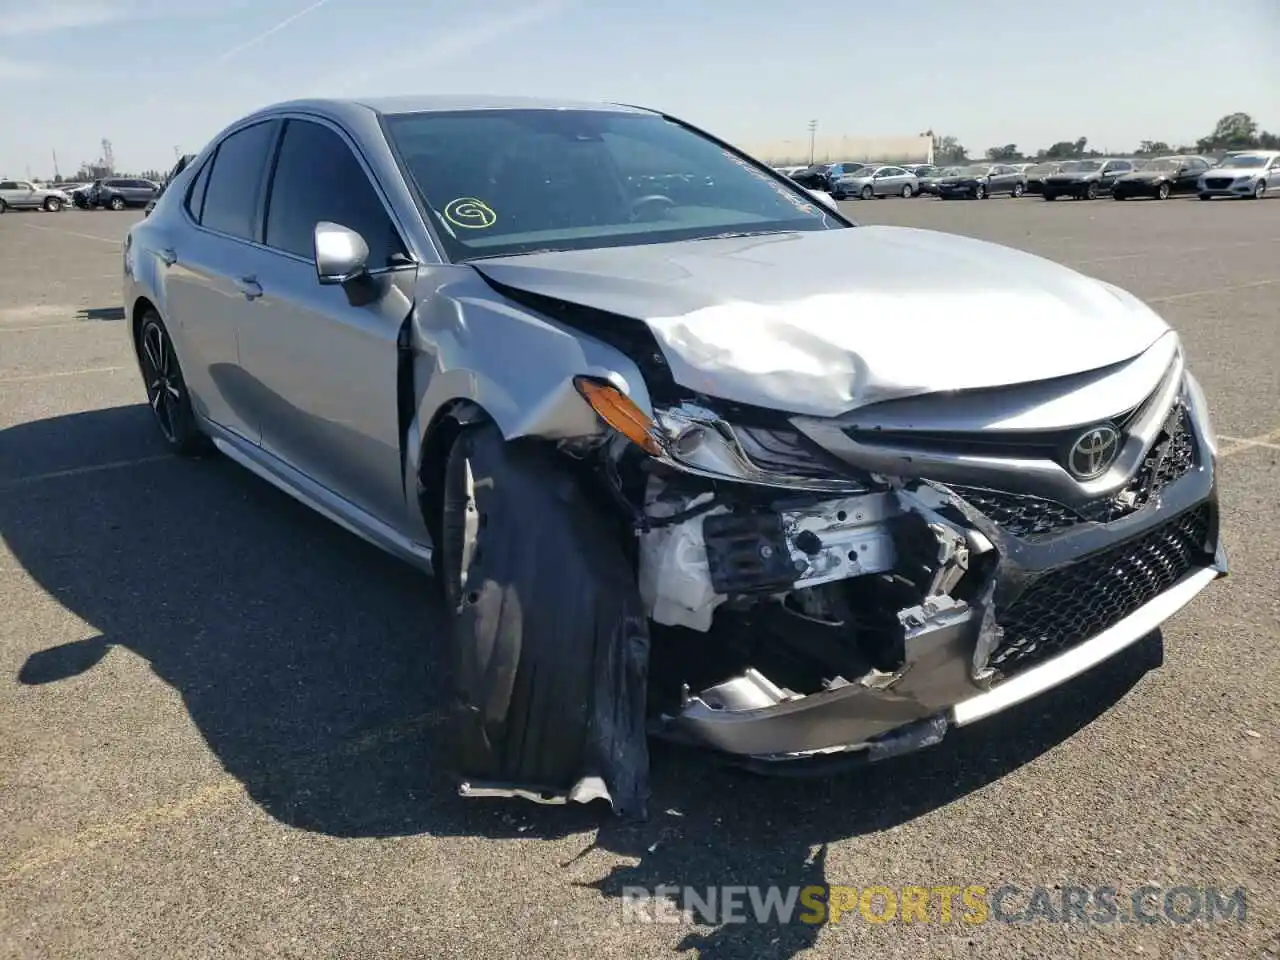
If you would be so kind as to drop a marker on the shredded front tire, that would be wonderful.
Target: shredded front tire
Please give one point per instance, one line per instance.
(551, 642)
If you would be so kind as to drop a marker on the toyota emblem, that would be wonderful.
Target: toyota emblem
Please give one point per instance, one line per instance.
(1093, 452)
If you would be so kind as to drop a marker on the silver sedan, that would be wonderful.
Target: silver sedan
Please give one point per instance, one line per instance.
(600, 372)
(871, 182)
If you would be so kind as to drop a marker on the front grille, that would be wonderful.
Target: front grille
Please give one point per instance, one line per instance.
(1026, 517)
(1069, 605)
(1218, 183)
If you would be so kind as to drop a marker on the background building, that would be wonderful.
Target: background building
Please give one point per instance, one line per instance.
(833, 147)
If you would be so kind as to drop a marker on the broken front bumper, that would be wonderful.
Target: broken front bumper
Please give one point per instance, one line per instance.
(1095, 590)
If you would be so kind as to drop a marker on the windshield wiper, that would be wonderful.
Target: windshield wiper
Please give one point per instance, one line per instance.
(733, 235)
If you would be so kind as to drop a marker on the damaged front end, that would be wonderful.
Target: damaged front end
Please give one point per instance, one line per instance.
(806, 608)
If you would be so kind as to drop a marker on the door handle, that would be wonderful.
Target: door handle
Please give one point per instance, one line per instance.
(169, 256)
(250, 287)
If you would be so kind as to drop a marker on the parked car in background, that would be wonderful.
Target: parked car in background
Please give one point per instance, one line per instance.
(929, 184)
(822, 176)
(1247, 176)
(118, 193)
(870, 182)
(1036, 173)
(25, 195)
(789, 171)
(1160, 178)
(1085, 179)
(450, 325)
(982, 180)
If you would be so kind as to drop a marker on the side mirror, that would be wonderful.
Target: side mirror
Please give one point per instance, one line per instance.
(341, 254)
(825, 199)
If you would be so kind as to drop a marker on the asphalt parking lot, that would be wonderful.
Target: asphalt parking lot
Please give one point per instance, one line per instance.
(221, 716)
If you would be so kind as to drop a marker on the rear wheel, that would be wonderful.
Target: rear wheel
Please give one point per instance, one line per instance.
(907, 192)
(1204, 196)
(3, 207)
(52, 204)
(116, 203)
(1049, 195)
(166, 389)
(1162, 191)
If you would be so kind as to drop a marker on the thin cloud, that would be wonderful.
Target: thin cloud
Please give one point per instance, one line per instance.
(29, 20)
(21, 70)
(255, 40)
(448, 45)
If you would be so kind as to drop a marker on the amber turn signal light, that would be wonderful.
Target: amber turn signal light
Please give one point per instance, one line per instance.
(620, 412)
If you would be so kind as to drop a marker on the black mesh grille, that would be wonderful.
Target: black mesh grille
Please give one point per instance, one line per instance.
(1073, 603)
(1218, 183)
(1034, 518)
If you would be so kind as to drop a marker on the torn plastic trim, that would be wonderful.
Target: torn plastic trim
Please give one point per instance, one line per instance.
(776, 722)
(584, 791)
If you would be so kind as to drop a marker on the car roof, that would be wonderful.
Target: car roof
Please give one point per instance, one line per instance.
(439, 103)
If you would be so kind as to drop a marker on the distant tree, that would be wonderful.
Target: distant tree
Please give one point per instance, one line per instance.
(1153, 147)
(1064, 149)
(1003, 154)
(1235, 131)
(948, 150)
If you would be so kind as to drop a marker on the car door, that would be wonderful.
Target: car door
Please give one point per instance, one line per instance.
(1112, 171)
(1003, 177)
(21, 195)
(887, 181)
(208, 276)
(9, 193)
(1188, 175)
(325, 362)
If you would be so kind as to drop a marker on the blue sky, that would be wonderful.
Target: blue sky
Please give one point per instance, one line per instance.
(155, 74)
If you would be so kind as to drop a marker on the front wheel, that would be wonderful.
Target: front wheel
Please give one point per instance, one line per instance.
(1162, 191)
(166, 388)
(52, 204)
(3, 207)
(980, 192)
(1018, 190)
(116, 203)
(1259, 189)
(1204, 196)
(1049, 195)
(867, 192)
(1091, 192)
(907, 192)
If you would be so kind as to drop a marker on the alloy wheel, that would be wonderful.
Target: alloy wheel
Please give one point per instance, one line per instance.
(163, 379)
(1162, 192)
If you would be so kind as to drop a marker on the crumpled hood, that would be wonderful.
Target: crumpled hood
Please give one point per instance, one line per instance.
(820, 323)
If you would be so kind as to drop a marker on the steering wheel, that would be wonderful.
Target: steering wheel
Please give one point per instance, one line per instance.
(651, 200)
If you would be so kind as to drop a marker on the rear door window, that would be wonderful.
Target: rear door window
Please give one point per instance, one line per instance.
(235, 183)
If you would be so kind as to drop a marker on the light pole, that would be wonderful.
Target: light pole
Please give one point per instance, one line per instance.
(813, 133)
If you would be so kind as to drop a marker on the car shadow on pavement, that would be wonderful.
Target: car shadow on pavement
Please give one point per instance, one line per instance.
(313, 666)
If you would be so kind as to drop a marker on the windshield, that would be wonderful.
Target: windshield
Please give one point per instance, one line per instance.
(980, 170)
(1042, 168)
(1159, 165)
(1081, 166)
(498, 182)
(1247, 162)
